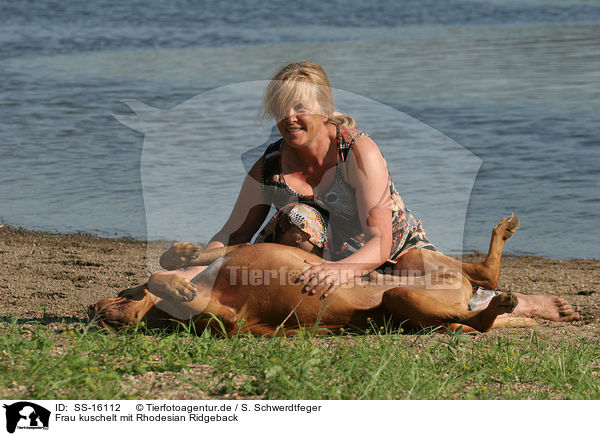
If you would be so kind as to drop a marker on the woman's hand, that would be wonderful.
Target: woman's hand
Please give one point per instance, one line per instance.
(325, 276)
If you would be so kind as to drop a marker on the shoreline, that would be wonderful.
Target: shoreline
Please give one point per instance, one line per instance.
(466, 253)
(58, 275)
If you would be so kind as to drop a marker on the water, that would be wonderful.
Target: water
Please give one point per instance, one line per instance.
(514, 83)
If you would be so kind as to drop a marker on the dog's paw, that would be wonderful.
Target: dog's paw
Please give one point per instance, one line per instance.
(172, 287)
(179, 255)
(507, 226)
(504, 302)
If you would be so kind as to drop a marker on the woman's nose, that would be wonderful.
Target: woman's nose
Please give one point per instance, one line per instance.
(291, 115)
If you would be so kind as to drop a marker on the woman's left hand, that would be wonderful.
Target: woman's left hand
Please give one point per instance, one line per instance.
(324, 276)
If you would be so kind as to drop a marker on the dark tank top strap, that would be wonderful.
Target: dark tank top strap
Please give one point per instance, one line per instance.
(270, 164)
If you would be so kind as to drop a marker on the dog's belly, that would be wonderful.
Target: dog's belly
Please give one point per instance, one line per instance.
(259, 283)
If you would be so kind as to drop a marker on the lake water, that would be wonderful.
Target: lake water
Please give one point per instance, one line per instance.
(481, 108)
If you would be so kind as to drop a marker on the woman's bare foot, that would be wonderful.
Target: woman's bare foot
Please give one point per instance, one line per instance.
(546, 307)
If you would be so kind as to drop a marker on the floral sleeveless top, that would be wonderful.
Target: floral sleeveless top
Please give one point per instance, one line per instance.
(338, 205)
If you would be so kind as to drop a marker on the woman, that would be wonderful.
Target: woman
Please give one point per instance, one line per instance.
(324, 162)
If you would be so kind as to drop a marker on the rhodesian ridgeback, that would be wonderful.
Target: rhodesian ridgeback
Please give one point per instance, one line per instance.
(255, 288)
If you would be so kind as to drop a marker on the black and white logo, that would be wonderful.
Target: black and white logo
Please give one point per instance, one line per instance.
(26, 415)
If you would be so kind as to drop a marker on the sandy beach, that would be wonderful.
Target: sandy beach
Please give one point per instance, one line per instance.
(46, 277)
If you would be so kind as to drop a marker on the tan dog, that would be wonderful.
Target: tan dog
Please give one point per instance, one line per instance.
(252, 288)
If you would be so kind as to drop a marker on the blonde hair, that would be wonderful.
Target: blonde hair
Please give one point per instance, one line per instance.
(297, 82)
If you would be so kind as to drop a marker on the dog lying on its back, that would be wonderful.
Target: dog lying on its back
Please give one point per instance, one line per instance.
(253, 288)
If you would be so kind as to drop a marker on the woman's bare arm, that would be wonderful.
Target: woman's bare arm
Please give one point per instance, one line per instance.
(368, 175)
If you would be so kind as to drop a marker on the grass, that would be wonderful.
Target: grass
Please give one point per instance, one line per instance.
(78, 361)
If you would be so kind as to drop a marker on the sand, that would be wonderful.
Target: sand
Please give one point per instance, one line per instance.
(46, 277)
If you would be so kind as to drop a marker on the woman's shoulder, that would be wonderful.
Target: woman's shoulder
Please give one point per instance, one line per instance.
(366, 153)
(349, 135)
(353, 141)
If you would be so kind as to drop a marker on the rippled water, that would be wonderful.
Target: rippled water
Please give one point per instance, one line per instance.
(514, 83)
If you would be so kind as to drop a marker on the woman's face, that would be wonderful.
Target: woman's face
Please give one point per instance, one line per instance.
(301, 123)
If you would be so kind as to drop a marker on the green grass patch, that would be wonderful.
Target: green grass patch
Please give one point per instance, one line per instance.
(78, 361)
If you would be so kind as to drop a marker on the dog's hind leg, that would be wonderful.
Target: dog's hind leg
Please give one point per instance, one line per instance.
(418, 309)
(484, 274)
